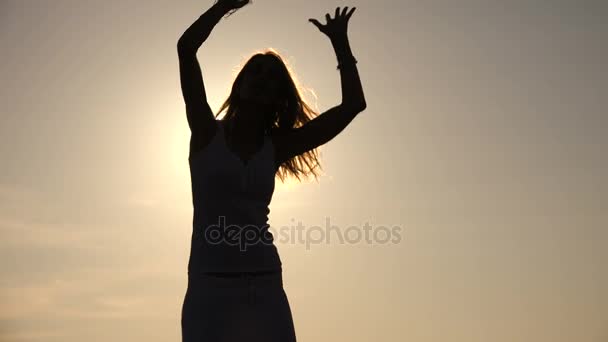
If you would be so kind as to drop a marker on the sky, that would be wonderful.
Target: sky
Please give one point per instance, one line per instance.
(482, 147)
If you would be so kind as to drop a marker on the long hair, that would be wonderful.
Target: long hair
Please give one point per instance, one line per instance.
(292, 113)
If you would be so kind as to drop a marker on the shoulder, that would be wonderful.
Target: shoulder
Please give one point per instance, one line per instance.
(199, 140)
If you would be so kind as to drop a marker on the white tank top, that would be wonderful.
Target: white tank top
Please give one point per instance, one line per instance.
(231, 206)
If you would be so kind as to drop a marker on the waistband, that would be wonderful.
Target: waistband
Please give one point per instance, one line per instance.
(241, 274)
(251, 285)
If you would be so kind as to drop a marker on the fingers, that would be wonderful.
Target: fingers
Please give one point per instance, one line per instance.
(344, 11)
(350, 13)
(315, 22)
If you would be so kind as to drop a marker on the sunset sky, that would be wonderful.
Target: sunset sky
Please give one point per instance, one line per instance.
(484, 141)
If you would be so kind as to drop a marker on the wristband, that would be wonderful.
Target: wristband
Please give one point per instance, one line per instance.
(350, 59)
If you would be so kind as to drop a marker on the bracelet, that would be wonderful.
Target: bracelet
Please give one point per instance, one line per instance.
(350, 59)
(230, 12)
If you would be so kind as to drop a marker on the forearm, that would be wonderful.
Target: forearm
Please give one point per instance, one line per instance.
(352, 90)
(199, 31)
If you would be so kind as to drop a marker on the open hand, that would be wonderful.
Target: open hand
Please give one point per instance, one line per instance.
(336, 27)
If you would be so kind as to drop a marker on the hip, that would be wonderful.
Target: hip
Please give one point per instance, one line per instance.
(234, 283)
(235, 306)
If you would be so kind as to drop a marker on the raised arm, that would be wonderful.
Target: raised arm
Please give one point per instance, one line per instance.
(199, 114)
(330, 123)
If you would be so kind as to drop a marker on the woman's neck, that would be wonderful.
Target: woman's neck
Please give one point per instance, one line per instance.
(249, 123)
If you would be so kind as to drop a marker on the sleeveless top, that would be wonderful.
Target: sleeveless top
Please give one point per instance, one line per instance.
(231, 206)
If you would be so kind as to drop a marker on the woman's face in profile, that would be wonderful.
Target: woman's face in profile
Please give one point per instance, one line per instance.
(261, 80)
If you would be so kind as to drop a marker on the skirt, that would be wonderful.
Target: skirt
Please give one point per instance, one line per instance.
(237, 307)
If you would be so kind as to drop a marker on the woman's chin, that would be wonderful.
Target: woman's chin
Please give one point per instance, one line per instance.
(259, 101)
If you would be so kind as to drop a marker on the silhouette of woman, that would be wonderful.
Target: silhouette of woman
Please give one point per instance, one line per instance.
(235, 286)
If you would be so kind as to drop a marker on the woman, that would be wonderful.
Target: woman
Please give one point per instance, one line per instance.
(235, 286)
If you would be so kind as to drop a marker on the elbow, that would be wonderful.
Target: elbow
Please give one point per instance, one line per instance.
(181, 45)
(184, 45)
(358, 106)
(362, 106)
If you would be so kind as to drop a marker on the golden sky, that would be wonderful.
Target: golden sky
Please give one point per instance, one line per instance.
(483, 141)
